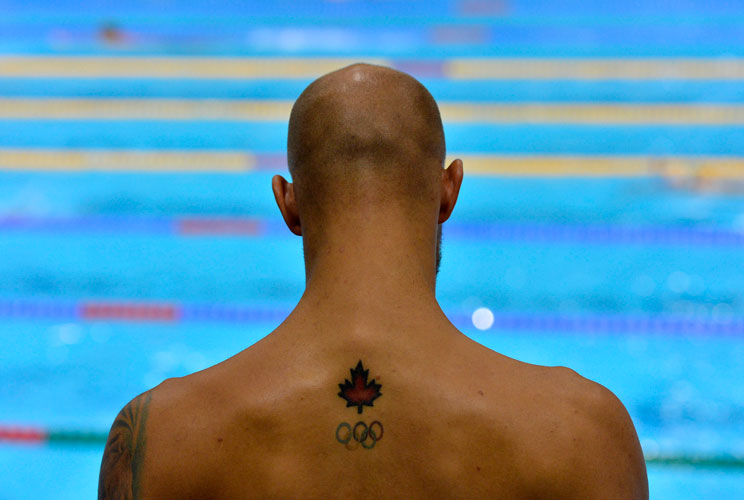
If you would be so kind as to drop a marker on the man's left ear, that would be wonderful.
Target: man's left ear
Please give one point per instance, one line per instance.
(450, 189)
(285, 199)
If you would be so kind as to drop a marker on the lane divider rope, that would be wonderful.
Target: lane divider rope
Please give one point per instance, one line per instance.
(263, 110)
(254, 227)
(30, 435)
(491, 68)
(672, 169)
(177, 312)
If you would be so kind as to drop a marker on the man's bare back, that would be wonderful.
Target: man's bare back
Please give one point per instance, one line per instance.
(367, 390)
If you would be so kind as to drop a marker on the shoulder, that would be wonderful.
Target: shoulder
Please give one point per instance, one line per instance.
(123, 457)
(151, 442)
(593, 449)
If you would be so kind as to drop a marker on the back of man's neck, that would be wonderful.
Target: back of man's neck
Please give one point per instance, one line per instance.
(366, 313)
(369, 279)
(369, 276)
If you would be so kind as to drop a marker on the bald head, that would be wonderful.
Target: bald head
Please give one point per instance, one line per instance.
(364, 131)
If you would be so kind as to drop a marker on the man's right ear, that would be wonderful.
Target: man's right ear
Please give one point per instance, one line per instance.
(285, 199)
(450, 189)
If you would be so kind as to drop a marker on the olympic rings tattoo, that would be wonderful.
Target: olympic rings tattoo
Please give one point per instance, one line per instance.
(361, 433)
(348, 435)
(364, 432)
(376, 436)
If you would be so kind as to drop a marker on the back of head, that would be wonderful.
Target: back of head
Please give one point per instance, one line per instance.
(364, 134)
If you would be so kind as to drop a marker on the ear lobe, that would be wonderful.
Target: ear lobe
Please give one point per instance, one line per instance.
(287, 203)
(450, 189)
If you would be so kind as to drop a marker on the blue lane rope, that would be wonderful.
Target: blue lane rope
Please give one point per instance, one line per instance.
(479, 231)
(138, 311)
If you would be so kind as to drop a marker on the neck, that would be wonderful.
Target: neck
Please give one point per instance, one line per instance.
(372, 271)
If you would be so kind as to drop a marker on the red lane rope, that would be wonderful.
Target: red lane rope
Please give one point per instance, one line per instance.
(224, 226)
(129, 311)
(23, 434)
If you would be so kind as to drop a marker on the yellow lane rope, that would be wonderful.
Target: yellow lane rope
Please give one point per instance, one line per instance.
(172, 67)
(730, 68)
(598, 69)
(278, 110)
(672, 168)
(125, 160)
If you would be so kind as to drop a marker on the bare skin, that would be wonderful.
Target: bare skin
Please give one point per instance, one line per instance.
(442, 416)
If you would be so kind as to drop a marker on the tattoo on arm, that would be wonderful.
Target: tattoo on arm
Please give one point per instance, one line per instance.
(124, 453)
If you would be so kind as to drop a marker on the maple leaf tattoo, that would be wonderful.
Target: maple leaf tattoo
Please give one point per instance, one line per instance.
(357, 392)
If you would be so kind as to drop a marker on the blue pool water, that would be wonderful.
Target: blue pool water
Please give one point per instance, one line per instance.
(66, 374)
(635, 282)
(272, 137)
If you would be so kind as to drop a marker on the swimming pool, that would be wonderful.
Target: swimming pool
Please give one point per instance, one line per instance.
(142, 244)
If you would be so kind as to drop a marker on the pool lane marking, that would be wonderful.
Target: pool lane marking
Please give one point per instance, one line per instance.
(182, 67)
(216, 226)
(36, 435)
(452, 112)
(128, 311)
(596, 68)
(23, 434)
(255, 227)
(144, 109)
(465, 91)
(174, 312)
(496, 68)
(28, 434)
(675, 170)
(66, 160)
(599, 114)
(672, 168)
